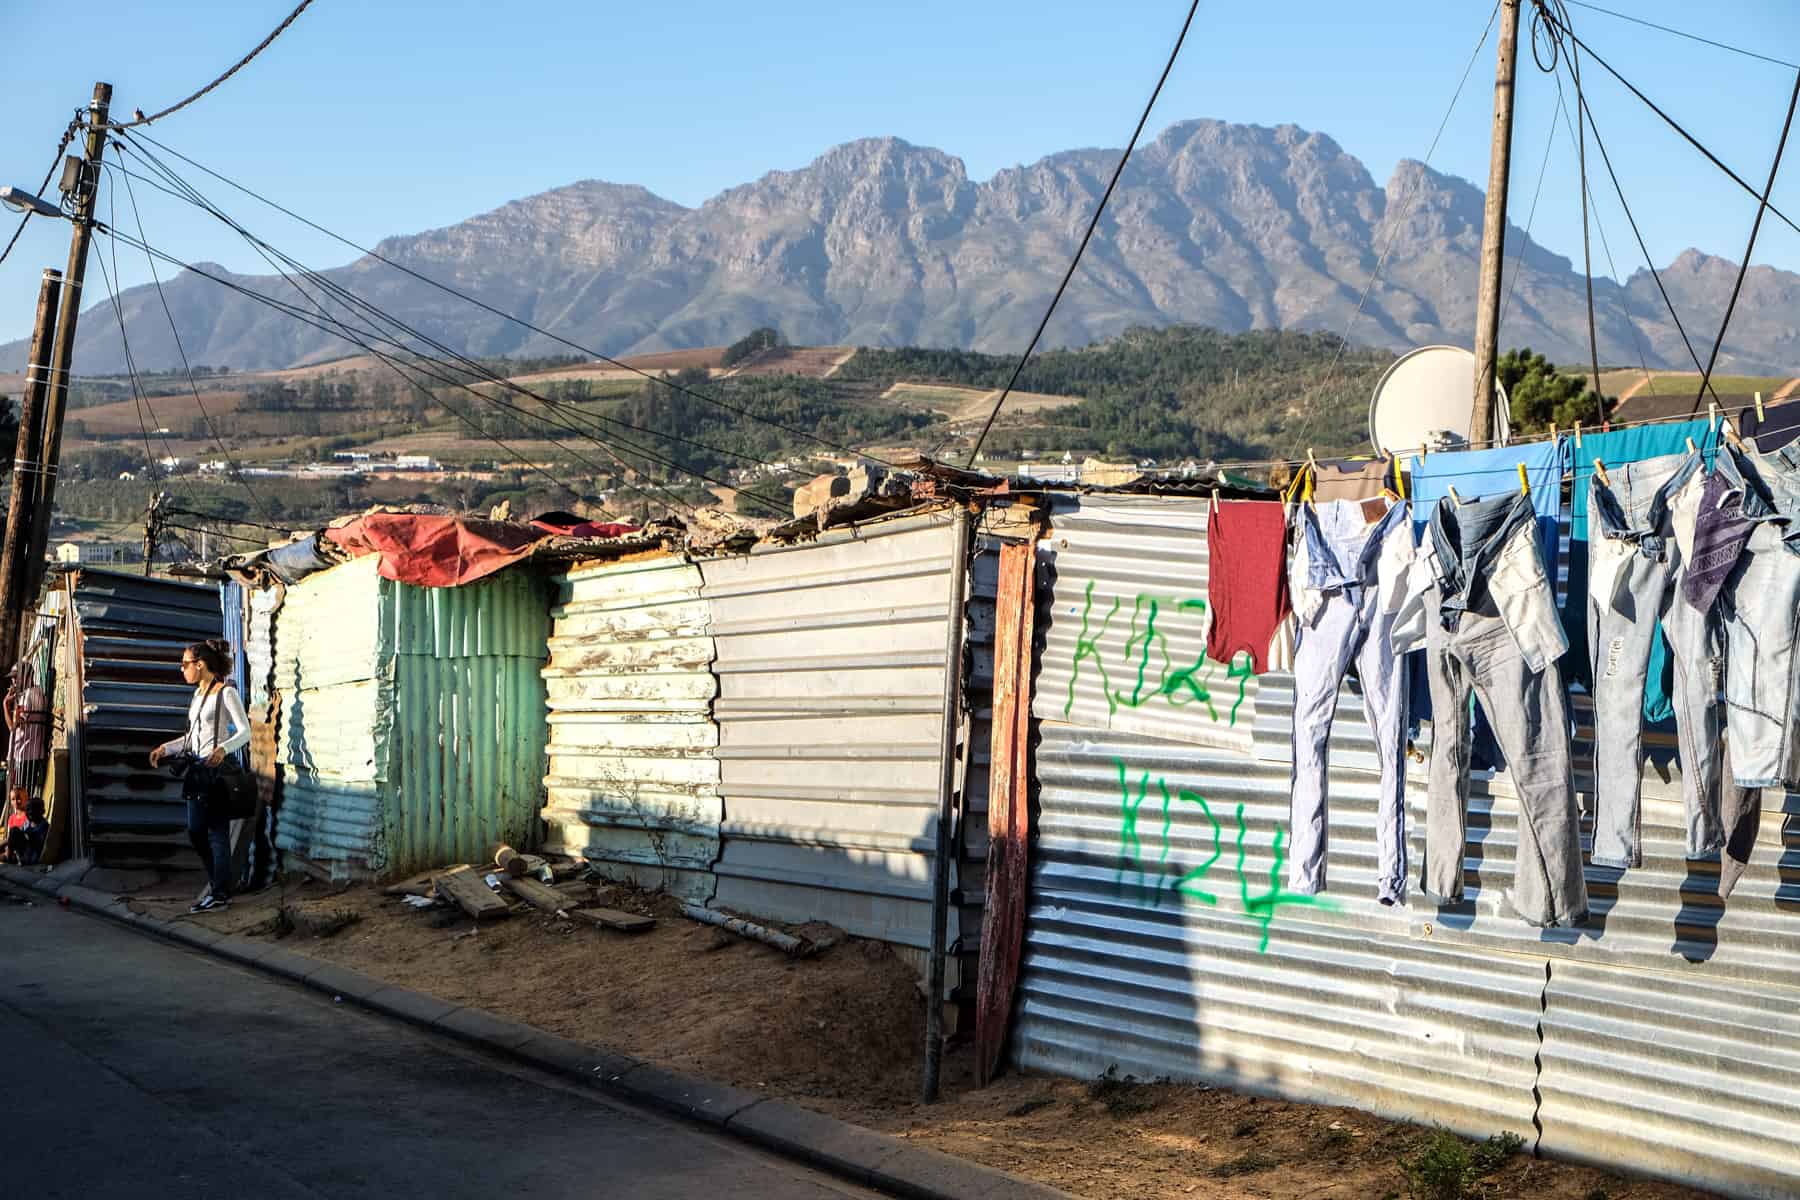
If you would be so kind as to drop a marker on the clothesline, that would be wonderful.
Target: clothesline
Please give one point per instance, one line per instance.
(1490, 443)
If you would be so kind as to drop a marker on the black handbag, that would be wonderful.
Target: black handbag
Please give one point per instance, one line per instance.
(234, 788)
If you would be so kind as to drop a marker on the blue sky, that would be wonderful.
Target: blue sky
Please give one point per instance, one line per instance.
(388, 117)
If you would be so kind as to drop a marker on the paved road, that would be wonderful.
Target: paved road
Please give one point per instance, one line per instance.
(137, 1069)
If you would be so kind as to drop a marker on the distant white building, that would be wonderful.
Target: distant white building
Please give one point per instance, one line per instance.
(214, 466)
(172, 464)
(356, 456)
(96, 553)
(414, 462)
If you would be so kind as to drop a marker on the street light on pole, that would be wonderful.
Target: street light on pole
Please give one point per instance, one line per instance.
(30, 203)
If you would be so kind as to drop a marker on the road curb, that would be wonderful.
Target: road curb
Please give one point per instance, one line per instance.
(848, 1151)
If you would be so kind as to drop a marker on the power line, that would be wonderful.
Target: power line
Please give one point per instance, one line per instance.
(1093, 223)
(343, 330)
(1588, 202)
(67, 137)
(338, 328)
(1562, 30)
(140, 402)
(1606, 158)
(354, 302)
(1755, 228)
(1393, 234)
(239, 65)
(1682, 33)
(516, 320)
(1530, 218)
(186, 368)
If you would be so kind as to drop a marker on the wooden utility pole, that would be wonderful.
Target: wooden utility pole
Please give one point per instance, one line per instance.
(26, 468)
(87, 181)
(1493, 227)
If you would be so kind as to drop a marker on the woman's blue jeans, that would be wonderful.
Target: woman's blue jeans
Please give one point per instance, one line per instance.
(210, 836)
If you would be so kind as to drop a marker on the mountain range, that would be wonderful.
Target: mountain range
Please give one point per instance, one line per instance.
(880, 242)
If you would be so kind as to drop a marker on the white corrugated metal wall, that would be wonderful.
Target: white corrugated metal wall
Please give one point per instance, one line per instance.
(830, 709)
(762, 731)
(1160, 938)
(634, 769)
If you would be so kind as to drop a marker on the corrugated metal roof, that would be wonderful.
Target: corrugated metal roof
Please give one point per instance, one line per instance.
(1647, 1034)
(634, 775)
(831, 668)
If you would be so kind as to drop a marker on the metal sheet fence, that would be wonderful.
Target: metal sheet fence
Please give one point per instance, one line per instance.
(412, 719)
(1161, 939)
(130, 631)
(830, 659)
(633, 782)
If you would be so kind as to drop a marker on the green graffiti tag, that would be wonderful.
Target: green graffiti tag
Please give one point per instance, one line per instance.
(1166, 882)
(1178, 686)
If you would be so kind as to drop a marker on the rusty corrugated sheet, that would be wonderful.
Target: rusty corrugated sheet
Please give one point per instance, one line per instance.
(633, 781)
(1008, 802)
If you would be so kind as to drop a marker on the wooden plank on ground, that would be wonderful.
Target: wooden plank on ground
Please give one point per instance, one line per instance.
(465, 887)
(538, 895)
(612, 918)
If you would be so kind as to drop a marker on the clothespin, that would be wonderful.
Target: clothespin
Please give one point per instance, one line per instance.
(1524, 481)
(1215, 497)
(1312, 473)
(1553, 431)
(1600, 473)
(1399, 479)
(1732, 433)
(1760, 415)
(1691, 446)
(1578, 435)
(1453, 496)
(1712, 416)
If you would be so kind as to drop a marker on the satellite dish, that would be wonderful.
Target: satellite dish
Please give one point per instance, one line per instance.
(1426, 399)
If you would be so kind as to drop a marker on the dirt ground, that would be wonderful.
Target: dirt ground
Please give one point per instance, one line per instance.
(842, 1033)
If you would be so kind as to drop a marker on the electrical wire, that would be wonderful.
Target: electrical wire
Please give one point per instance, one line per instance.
(353, 302)
(343, 330)
(187, 369)
(67, 137)
(1755, 228)
(596, 355)
(338, 328)
(1546, 15)
(1588, 202)
(1619, 190)
(239, 65)
(1309, 415)
(1682, 33)
(140, 401)
(1530, 219)
(1093, 224)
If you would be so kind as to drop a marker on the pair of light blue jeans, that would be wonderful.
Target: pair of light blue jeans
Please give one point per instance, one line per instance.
(1760, 608)
(1345, 619)
(1641, 523)
(1493, 631)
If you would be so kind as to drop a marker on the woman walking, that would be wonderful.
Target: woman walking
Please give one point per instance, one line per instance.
(215, 705)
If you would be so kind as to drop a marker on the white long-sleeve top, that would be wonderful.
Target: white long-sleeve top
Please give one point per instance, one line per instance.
(204, 721)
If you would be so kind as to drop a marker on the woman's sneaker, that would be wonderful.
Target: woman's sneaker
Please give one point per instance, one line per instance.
(210, 903)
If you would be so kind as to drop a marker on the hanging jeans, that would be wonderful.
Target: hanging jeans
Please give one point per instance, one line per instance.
(1494, 632)
(1640, 524)
(1347, 617)
(1760, 607)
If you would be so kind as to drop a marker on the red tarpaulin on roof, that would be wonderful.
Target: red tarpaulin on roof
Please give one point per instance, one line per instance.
(435, 551)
